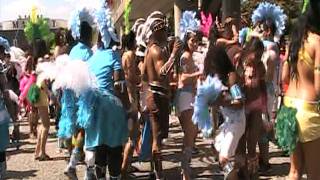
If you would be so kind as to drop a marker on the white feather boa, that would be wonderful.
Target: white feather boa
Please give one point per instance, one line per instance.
(67, 74)
(207, 92)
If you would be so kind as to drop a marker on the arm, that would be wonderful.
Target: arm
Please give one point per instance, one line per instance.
(186, 76)
(317, 66)
(271, 65)
(227, 42)
(168, 66)
(285, 74)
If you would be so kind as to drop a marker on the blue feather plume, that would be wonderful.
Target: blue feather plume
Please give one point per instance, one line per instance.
(105, 25)
(5, 43)
(243, 33)
(268, 11)
(77, 17)
(188, 22)
(207, 93)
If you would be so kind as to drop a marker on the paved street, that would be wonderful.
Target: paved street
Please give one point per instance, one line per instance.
(21, 164)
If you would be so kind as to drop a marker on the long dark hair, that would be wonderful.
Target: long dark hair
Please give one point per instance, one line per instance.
(307, 22)
(197, 35)
(255, 45)
(217, 62)
(128, 41)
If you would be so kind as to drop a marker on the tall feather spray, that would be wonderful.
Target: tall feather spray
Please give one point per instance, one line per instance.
(126, 16)
(188, 23)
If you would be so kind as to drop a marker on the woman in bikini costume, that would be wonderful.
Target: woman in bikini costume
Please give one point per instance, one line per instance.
(255, 105)
(188, 75)
(300, 110)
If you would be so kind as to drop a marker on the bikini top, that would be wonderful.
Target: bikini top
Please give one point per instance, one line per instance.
(305, 57)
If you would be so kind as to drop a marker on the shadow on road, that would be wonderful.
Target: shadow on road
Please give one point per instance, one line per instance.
(20, 174)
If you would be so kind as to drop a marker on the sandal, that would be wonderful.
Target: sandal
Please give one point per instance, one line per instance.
(44, 157)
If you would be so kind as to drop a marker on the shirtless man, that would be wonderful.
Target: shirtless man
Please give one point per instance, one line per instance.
(158, 63)
(129, 66)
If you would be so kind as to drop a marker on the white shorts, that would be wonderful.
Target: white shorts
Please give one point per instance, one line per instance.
(226, 142)
(184, 101)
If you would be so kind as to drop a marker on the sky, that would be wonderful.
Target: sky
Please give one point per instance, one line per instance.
(11, 9)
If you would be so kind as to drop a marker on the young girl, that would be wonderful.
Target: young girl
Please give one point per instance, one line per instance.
(256, 99)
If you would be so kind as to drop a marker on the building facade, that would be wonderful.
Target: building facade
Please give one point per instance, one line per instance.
(142, 8)
(14, 30)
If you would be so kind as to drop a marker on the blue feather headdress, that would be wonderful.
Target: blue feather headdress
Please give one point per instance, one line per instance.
(105, 25)
(243, 35)
(188, 23)
(5, 43)
(78, 16)
(267, 11)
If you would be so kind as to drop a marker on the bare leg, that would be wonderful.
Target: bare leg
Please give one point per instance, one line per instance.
(190, 131)
(296, 164)
(253, 135)
(128, 150)
(44, 115)
(312, 158)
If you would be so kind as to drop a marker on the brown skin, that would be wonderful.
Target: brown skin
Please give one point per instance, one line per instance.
(155, 59)
(306, 87)
(188, 77)
(130, 72)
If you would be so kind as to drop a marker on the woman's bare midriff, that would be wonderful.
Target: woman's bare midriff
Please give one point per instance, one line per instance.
(302, 90)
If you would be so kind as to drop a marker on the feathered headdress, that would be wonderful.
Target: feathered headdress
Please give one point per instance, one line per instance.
(5, 43)
(78, 16)
(37, 28)
(244, 34)
(126, 14)
(105, 25)
(155, 21)
(137, 28)
(188, 23)
(305, 5)
(270, 12)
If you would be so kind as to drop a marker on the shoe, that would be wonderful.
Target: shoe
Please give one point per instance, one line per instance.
(71, 173)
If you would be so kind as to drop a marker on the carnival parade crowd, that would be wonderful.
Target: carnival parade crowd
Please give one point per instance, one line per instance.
(111, 97)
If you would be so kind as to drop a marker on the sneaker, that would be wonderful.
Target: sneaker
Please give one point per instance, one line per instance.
(71, 173)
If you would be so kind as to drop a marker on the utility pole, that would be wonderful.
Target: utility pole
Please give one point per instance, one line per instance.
(177, 16)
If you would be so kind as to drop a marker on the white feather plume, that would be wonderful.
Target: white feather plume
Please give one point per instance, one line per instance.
(188, 23)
